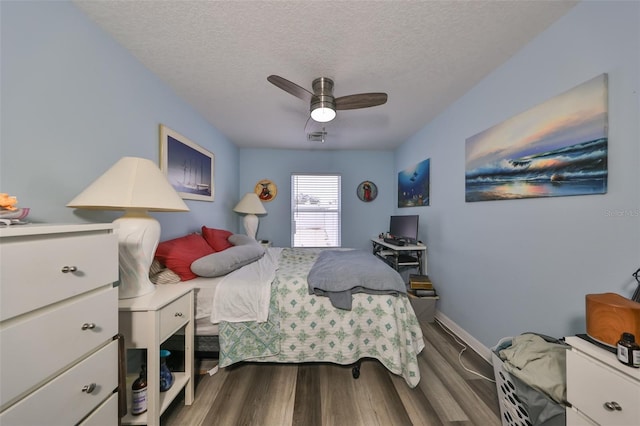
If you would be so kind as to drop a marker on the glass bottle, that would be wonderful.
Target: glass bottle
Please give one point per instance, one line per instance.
(166, 377)
(139, 393)
(628, 350)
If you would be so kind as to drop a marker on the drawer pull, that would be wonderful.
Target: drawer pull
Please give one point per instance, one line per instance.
(612, 406)
(88, 326)
(89, 388)
(178, 314)
(67, 269)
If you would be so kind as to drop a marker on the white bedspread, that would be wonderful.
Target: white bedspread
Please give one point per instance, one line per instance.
(244, 294)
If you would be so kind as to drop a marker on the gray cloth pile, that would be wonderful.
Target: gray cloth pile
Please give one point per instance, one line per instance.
(538, 369)
(338, 274)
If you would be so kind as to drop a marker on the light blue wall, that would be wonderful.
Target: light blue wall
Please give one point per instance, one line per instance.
(360, 220)
(506, 267)
(74, 102)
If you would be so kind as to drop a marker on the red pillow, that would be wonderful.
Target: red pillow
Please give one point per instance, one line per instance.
(217, 238)
(178, 254)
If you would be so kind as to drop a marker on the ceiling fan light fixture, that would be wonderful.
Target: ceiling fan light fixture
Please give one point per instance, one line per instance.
(323, 104)
(323, 109)
(323, 114)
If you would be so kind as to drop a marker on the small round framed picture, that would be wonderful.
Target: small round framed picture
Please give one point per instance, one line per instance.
(266, 190)
(367, 191)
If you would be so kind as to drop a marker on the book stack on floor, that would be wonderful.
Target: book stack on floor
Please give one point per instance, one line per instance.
(423, 297)
(421, 286)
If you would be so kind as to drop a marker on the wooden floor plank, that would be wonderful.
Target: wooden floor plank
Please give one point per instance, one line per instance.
(230, 402)
(270, 398)
(416, 404)
(307, 409)
(339, 402)
(383, 404)
(443, 401)
(450, 349)
(207, 391)
(471, 403)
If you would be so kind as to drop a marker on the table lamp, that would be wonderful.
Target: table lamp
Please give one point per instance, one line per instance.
(137, 186)
(251, 205)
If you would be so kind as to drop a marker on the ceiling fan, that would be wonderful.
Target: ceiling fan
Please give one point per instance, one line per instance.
(323, 104)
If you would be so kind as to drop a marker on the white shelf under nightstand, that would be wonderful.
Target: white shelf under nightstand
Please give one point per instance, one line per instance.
(146, 322)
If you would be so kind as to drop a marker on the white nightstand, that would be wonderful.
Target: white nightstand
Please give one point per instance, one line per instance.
(146, 322)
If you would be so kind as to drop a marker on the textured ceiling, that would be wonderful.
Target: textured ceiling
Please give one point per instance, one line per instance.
(217, 55)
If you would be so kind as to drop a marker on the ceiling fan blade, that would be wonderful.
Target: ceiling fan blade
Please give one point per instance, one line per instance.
(362, 100)
(292, 88)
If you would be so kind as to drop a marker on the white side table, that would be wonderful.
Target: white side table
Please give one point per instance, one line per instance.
(146, 322)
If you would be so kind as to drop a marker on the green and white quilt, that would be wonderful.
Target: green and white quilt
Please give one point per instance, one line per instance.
(307, 328)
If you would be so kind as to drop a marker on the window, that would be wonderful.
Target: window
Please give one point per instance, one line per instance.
(315, 210)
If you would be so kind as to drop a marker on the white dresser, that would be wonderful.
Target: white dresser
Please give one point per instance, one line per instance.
(601, 390)
(58, 317)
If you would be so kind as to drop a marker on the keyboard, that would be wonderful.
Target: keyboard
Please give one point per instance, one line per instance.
(394, 241)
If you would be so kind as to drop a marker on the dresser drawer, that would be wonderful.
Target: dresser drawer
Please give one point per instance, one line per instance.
(174, 315)
(105, 415)
(62, 401)
(574, 418)
(32, 273)
(37, 346)
(591, 384)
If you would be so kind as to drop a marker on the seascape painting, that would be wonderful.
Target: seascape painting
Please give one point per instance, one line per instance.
(187, 166)
(556, 149)
(413, 185)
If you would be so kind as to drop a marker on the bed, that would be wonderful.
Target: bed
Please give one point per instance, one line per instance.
(302, 327)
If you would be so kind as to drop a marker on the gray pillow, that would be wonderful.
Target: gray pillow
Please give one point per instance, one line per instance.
(244, 251)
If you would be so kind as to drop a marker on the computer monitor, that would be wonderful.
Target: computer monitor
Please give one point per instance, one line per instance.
(404, 228)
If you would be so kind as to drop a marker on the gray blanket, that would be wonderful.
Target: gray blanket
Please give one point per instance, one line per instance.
(338, 274)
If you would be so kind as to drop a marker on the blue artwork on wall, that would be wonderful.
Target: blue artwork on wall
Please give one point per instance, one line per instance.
(188, 166)
(555, 149)
(413, 185)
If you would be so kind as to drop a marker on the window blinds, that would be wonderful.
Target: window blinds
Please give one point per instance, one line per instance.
(315, 210)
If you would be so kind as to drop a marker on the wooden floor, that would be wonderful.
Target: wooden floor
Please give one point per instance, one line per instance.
(326, 394)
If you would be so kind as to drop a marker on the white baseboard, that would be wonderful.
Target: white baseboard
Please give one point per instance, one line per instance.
(467, 338)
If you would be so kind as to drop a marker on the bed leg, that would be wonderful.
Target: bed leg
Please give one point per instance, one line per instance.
(355, 370)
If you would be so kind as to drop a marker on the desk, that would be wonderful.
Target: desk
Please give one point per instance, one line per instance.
(398, 256)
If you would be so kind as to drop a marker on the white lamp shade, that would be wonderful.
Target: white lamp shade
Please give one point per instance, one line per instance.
(131, 183)
(250, 203)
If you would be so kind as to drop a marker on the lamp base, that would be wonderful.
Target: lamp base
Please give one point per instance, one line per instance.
(138, 237)
(251, 225)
